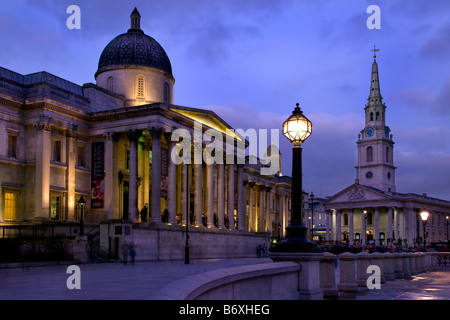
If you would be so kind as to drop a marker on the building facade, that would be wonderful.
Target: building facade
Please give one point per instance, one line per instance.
(112, 144)
(371, 211)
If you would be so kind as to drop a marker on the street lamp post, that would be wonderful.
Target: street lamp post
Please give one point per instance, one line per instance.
(186, 247)
(297, 128)
(82, 204)
(446, 218)
(424, 216)
(312, 216)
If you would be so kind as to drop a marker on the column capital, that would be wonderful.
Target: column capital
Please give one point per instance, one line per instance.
(156, 132)
(43, 125)
(134, 135)
(72, 133)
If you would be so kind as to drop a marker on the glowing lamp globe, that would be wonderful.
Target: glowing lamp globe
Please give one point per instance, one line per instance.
(424, 215)
(297, 128)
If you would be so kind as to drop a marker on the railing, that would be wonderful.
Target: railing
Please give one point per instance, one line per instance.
(44, 230)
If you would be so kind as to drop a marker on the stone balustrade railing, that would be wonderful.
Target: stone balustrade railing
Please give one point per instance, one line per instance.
(305, 276)
(345, 275)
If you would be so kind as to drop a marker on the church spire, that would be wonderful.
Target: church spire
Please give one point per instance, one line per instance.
(375, 97)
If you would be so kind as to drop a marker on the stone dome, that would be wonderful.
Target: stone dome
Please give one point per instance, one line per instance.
(134, 48)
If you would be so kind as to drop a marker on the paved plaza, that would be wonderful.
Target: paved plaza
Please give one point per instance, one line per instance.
(116, 281)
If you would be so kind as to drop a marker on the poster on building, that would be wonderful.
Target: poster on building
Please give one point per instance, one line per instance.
(97, 178)
(164, 172)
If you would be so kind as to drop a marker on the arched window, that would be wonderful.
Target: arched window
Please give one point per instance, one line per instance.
(166, 93)
(378, 116)
(140, 87)
(387, 154)
(110, 84)
(369, 154)
(345, 219)
(371, 116)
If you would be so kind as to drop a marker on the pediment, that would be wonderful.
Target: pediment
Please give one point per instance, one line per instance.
(207, 118)
(356, 193)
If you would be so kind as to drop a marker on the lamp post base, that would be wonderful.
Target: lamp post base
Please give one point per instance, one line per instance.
(296, 240)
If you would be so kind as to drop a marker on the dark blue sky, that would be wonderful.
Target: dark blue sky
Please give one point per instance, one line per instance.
(251, 61)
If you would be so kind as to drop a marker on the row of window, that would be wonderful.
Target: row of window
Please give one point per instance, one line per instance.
(11, 202)
(377, 116)
(140, 85)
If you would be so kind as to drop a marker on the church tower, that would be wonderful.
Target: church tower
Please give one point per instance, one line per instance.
(375, 145)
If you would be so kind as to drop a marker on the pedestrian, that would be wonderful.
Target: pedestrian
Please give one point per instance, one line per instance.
(144, 213)
(132, 250)
(125, 252)
(25, 252)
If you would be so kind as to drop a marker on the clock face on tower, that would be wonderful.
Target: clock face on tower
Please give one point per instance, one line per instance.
(370, 132)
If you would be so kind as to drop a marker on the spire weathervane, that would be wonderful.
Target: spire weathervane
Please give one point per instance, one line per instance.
(375, 50)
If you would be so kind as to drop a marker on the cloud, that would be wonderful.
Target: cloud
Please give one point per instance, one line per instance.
(424, 172)
(437, 47)
(423, 99)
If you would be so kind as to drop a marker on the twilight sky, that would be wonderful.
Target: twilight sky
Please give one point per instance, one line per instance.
(251, 61)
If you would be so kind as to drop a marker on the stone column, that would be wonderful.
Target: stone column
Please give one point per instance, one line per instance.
(230, 199)
(172, 181)
(156, 133)
(338, 225)
(133, 137)
(250, 206)
(412, 216)
(396, 228)
(389, 226)
(198, 194)
(71, 157)
(242, 217)
(268, 226)
(109, 174)
(209, 195)
(376, 235)
(221, 195)
(262, 207)
(351, 229)
(42, 178)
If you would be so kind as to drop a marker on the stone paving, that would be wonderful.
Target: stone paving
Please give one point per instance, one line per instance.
(116, 281)
(105, 281)
(433, 285)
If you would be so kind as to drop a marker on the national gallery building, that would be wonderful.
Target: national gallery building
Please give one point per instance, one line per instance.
(371, 211)
(110, 144)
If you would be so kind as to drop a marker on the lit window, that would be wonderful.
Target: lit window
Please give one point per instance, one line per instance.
(110, 84)
(55, 207)
(140, 87)
(10, 206)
